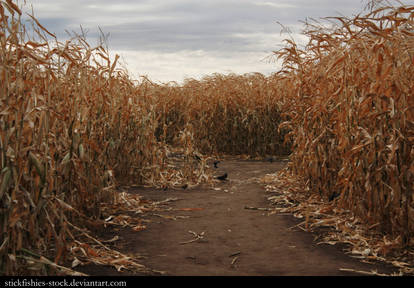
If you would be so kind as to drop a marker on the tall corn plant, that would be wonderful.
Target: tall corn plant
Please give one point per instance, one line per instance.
(229, 114)
(68, 117)
(351, 115)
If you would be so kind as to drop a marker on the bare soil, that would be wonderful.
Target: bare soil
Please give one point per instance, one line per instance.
(215, 231)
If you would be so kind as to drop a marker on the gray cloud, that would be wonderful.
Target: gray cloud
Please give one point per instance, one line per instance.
(224, 28)
(181, 25)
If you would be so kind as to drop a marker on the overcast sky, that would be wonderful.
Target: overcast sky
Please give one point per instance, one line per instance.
(169, 40)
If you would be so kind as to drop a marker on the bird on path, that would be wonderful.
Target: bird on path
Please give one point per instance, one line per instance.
(222, 177)
(215, 163)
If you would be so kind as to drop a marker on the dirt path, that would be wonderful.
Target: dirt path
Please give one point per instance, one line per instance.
(226, 238)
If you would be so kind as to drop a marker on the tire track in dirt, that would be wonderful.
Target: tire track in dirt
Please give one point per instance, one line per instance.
(218, 236)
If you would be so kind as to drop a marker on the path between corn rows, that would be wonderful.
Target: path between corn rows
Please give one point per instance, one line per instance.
(235, 241)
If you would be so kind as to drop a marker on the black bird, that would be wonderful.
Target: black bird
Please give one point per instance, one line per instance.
(222, 177)
(215, 163)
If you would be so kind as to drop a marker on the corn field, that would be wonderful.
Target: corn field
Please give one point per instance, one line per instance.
(233, 114)
(350, 105)
(74, 126)
(68, 117)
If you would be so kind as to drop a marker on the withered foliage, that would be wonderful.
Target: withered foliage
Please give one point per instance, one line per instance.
(349, 96)
(72, 126)
(227, 114)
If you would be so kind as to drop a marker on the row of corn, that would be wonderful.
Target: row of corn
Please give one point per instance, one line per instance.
(73, 126)
(350, 105)
(228, 114)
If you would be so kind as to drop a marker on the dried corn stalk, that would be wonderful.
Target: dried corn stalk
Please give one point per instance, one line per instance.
(350, 104)
(72, 126)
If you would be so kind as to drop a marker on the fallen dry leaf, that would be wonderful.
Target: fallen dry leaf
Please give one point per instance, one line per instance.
(190, 209)
(139, 228)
